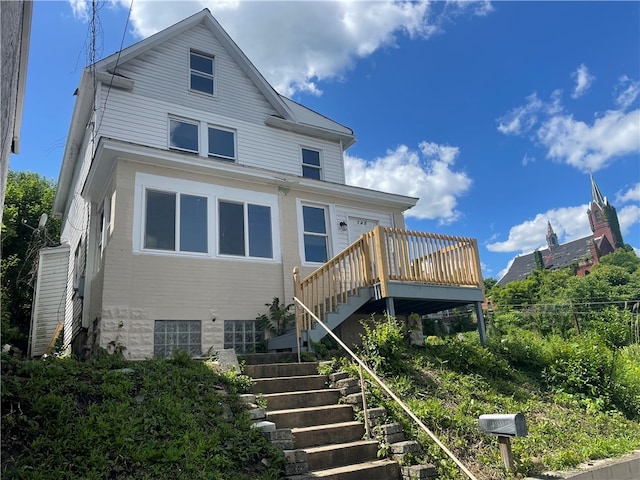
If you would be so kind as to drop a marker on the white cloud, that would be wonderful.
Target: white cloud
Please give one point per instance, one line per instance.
(631, 195)
(628, 217)
(591, 147)
(568, 223)
(626, 91)
(583, 81)
(80, 9)
(427, 174)
(523, 119)
(526, 160)
(297, 44)
(585, 146)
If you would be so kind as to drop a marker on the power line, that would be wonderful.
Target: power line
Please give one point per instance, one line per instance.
(115, 68)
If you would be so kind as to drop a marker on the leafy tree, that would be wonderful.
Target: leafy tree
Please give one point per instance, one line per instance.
(622, 258)
(27, 197)
(489, 283)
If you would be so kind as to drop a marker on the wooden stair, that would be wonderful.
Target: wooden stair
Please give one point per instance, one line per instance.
(298, 398)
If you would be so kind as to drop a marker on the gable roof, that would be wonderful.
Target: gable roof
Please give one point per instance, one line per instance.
(287, 109)
(557, 257)
(290, 116)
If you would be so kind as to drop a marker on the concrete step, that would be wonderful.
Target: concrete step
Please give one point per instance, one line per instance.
(374, 470)
(310, 398)
(317, 435)
(338, 455)
(271, 370)
(261, 358)
(289, 384)
(307, 417)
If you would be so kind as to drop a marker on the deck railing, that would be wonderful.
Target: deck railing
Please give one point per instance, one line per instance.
(386, 255)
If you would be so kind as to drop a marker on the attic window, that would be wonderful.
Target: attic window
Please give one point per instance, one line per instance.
(201, 73)
(311, 167)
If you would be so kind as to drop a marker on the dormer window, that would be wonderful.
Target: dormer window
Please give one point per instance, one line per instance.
(201, 73)
(311, 167)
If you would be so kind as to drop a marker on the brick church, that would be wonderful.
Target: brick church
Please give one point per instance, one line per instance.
(584, 252)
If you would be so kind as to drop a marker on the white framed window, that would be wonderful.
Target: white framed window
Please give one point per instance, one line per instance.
(311, 165)
(183, 335)
(174, 216)
(244, 229)
(175, 222)
(315, 234)
(201, 73)
(222, 143)
(183, 135)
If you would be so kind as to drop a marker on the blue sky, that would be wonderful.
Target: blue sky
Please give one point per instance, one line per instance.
(492, 113)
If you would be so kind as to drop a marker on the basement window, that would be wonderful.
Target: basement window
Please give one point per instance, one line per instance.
(244, 336)
(171, 335)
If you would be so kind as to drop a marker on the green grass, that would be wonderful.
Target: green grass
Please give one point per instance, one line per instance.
(157, 419)
(575, 410)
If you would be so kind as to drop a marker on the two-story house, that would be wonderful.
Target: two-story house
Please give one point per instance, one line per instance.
(190, 189)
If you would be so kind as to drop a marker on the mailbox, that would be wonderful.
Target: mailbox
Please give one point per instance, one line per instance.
(509, 425)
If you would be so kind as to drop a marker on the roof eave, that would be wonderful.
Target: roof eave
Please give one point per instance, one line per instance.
(311, 130)
(109, 150)
(79, 121)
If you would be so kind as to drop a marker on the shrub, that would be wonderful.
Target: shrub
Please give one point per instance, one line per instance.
(582, 367)
(626, 381)
(383, 345)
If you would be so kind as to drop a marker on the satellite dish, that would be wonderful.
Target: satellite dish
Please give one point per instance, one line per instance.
(43, 221)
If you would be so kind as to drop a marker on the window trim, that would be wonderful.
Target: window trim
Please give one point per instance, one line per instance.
(186, 121)
(303, 165)
(235, 143)
(213, 192)
(203, 74)
(328, 215)
(246, 229)
(177, 226)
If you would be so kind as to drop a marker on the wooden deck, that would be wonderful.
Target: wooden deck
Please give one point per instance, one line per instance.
(422, 272)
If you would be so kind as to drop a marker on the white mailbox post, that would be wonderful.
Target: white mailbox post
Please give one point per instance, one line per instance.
(505, 426)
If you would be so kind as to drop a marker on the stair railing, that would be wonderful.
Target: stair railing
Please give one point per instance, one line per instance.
(386, 255)
(386, 388)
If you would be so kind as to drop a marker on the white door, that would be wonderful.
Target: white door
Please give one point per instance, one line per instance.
(357, 226)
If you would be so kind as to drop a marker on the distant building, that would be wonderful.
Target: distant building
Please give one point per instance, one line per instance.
(584, 252)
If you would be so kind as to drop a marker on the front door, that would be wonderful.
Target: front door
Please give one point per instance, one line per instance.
(358, 226)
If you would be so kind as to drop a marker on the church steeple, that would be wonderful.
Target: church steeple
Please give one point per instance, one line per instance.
(552, 238)
(596, 196)
(603, 217)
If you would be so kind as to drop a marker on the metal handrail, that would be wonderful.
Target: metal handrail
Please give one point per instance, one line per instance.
(406, 409)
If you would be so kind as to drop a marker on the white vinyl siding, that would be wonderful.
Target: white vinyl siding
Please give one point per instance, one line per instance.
(132, 118)
(50, 291)
(162, 74)
(161, 77)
